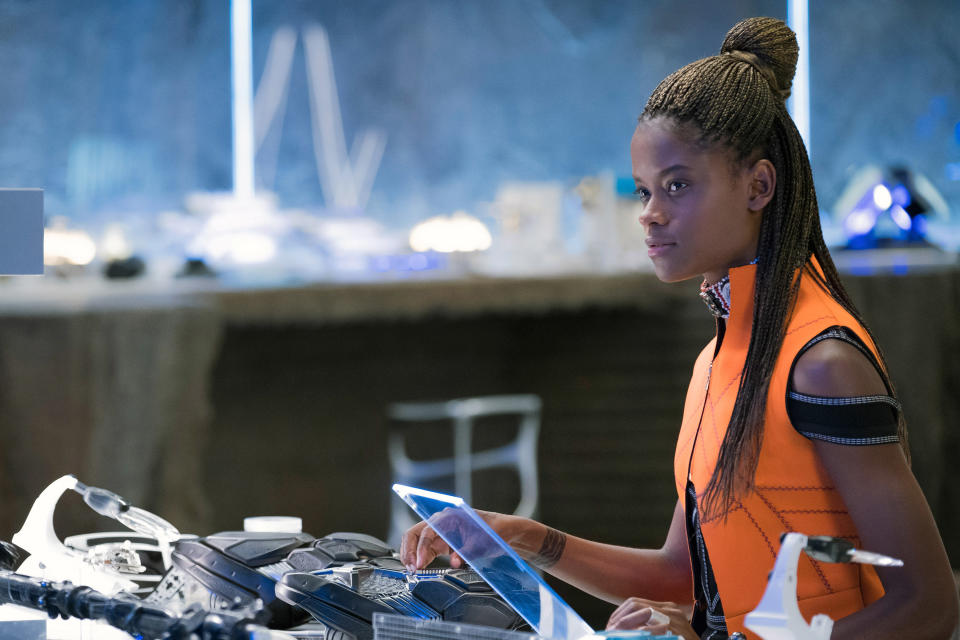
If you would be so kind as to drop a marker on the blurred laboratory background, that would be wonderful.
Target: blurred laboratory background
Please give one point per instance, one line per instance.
(293, 256)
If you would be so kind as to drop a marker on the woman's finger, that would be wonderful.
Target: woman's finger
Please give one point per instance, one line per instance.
(429, 547)
(632, 619)
(408, 545)
(658, 618)
(619, 611)
(627, 606)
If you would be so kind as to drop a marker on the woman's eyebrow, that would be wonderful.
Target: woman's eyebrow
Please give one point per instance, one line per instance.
(674, 167)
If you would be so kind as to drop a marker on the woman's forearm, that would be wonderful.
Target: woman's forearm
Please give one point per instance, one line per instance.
(610, 572)
(614, 573)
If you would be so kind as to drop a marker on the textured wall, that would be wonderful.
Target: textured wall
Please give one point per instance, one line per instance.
(120, 108)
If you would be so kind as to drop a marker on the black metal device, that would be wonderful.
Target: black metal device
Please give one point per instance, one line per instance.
(125, 612)
(339, 581)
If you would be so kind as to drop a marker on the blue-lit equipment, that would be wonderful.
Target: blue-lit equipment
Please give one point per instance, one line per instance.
(887, 208)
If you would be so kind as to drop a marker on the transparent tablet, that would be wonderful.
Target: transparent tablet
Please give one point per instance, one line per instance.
(498, 564)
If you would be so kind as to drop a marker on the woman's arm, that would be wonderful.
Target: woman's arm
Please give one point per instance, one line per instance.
(888, 508)
(609, 572)
(614, 573)
(893, 518)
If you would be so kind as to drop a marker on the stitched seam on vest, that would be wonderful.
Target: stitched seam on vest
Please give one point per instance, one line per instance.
(823, 578)
(713, 417)
(838, 511)
(717, 517)
(776, 512)
(806, 324)
(693, 432)
(789, 527)
(760, 529)
(713, 422)
(729, 384)
(683, 448)
(703, 449)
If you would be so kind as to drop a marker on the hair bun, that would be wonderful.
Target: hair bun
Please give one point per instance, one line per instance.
(773, 44)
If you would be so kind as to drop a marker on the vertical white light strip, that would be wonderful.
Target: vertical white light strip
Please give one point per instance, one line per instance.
(799, 101)
(241, 46)
(329, 141)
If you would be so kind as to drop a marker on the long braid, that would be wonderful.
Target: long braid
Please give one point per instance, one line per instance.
(735, 101)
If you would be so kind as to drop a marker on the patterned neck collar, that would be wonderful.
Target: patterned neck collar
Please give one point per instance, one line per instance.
(717, 295)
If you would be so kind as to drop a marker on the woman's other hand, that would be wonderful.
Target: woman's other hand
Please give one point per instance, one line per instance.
(659, 618)
(421, 544)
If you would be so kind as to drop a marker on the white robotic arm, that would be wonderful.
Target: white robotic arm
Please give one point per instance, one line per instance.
(778, 617)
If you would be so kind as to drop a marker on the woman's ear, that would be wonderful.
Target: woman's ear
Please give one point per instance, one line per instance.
(763, 182)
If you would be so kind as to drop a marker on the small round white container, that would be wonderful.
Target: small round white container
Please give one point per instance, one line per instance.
(273, 524)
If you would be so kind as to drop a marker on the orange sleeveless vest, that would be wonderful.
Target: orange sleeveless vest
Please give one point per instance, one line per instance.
(793, 492)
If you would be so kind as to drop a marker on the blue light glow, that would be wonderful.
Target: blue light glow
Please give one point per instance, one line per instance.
(881, 197)
(403, 263)
(900, 217)
(418, 262)
(901, 195)
(859, 222)
(920, 225)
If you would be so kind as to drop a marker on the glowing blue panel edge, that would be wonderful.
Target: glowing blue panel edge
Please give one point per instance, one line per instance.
(493, 559)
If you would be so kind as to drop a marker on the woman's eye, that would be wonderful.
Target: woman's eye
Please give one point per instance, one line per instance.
(641, 194)
(676, 186)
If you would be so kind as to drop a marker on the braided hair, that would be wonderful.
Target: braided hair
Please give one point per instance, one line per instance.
(735, 101)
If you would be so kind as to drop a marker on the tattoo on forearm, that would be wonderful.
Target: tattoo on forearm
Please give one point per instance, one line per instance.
(551, 549)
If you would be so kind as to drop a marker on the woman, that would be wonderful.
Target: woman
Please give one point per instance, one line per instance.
(791, 422)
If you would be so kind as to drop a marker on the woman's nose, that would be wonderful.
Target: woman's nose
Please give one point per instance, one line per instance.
(652, 213)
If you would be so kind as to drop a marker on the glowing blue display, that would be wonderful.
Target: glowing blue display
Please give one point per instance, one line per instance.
(498, 564)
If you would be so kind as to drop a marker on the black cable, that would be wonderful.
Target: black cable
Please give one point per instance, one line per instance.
(124, 612)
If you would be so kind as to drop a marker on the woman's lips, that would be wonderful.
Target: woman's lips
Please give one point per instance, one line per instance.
(658, 247)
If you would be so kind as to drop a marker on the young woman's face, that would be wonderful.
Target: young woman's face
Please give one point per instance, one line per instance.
(696, 205)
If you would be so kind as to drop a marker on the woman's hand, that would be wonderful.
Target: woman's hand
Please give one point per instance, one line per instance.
(421, 544)
(658, 618)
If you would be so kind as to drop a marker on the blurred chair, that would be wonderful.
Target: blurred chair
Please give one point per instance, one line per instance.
(520, 453)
